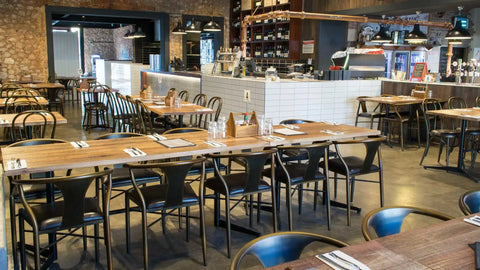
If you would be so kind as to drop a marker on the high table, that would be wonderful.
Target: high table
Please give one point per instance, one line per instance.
(63, 156)
(440, 246)
(468, 114)
(395, 102)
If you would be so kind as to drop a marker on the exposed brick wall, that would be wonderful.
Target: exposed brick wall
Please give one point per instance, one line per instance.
(123, 47)
(23, 37)
(98, 41)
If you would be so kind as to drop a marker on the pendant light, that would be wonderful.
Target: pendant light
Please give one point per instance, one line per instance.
(212, 26)
(455, 41)
(128, 35)
(179, 29)
(139, 33)
(193, 27)
(416, 36)
(458, 32)
(382, 36)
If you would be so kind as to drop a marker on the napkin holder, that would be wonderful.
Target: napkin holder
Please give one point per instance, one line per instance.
(239, 131)
(170, 98)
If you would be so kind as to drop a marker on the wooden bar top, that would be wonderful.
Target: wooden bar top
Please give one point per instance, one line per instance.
(109, 152)
(440, 246)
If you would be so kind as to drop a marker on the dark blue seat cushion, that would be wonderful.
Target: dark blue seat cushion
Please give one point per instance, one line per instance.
(235, 183)
(156, 195)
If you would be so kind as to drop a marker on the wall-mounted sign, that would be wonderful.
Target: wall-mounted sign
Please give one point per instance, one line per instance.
(308, 46)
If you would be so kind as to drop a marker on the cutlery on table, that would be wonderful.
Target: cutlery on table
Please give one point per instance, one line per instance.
(353, 265)
(330, 261)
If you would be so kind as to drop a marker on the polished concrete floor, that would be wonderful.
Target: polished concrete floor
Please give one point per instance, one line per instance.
(406, 183)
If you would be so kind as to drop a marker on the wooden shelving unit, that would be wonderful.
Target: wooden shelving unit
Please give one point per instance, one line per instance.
(269, 39)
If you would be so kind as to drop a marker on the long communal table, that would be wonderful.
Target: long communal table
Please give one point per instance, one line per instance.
(440, 246)
(62, 156)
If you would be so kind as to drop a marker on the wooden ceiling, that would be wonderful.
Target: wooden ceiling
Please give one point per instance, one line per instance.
(392, 7)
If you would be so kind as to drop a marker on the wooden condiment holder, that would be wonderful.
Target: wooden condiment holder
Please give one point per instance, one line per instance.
(170, 98)
(238, 131)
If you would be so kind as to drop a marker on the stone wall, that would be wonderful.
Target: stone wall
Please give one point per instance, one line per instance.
(22, 27)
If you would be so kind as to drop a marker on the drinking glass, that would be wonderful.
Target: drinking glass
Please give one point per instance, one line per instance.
(268, 126)
(222, 127)
(178, 102)
(212, 130)
(261, 125)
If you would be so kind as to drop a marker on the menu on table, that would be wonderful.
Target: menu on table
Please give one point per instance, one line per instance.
(175, 143)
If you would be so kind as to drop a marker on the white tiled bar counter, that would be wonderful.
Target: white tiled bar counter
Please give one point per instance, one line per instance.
(287, 99)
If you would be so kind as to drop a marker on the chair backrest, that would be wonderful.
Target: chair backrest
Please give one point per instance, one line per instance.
(145, 118)
(118, 135)
(199, 99)
(254, 166)
(73, 189)
(182, 130)
(315, 152)
(456, 103)
(21, 129)
(469, 202)
(24, 92)
(431, 121)
(214, 103)
(362, 105)
(477, 101)
(136, 118)
(388, 220)
(276, 248)
(373, 149)
(295, 121)
(175, 173)
(183, 95)
(17, 104)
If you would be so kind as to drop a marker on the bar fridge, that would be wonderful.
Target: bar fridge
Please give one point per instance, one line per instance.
(401, 62)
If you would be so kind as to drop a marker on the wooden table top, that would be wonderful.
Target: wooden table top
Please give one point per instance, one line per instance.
(32, 120)
(393, 100)
(41, 100)
(471, 114)
(161, 109)
(43, 85)
(440, 246)
(108, 152)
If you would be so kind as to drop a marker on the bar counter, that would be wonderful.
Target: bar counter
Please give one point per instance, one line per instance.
(442, 90)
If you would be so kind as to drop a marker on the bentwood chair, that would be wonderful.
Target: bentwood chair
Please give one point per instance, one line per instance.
(362, 112)
(21, 129)
(242, 184)
(73, 212)
(281, 247)
(436, 132)
(214, 103)
(121, 174)
(175, 193)
(388, 220)
(95, 107)
(353, 166)
(31, 192)
(296, 175)
(469, 202)
(201, 100)
(16, 104)
(183, 95)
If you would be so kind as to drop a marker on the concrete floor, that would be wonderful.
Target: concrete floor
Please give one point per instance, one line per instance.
(406, 183)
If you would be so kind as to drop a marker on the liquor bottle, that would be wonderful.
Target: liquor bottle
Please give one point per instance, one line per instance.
(279, 51)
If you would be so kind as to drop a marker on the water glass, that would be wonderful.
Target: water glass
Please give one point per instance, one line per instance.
(222, 127)
(261, 125)
(212, 130)
(178, 102)
(268, 126)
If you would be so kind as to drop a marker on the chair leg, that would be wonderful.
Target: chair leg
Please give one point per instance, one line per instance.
(447, 151)
(259, 206)
(180, 218)
(315, 196)
(21, 225)
(440, 150)
(13, 227)
(347, 188)
(274, 209)
(352, 188)
(164, 214)
(227, 219)
(127, 223)
(84, 236)
(145, 239)
(326, 195)
(96, 235)
(401, 136)
(300, 198)
(187, 222)
(335, 185)
(250, 210)
(107, 238)
(425, 152)
(288, 192)
(382, 198)
(36, 245)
